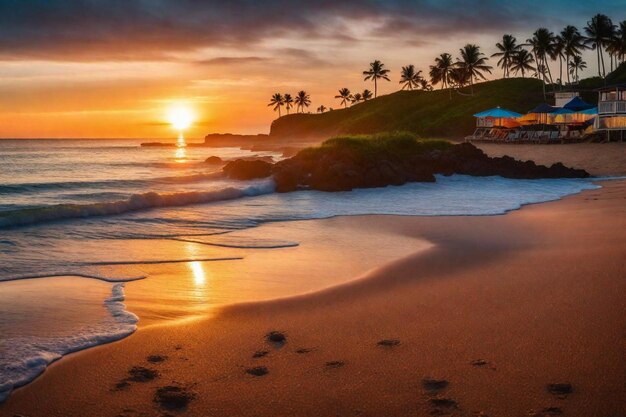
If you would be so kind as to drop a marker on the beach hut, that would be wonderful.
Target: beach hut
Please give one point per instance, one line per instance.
(611, 119)
(494, 124)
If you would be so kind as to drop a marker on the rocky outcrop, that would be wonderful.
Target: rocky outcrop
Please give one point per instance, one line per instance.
(213, 160)
(247, 170)
(345, 169)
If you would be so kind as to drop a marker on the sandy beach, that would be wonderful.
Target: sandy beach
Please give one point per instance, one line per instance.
(479, 324)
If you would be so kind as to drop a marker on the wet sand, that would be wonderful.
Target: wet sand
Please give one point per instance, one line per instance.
(513, 315)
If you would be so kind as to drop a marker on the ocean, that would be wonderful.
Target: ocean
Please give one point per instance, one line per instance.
(86, 223)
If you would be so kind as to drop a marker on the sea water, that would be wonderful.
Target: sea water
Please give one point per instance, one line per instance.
(79, 218)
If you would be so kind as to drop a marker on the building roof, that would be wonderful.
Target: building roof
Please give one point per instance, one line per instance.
(621, 86)
(498, 113)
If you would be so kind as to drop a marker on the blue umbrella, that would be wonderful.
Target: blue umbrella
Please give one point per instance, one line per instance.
(563, 111)
(577, 104)
(498, 113)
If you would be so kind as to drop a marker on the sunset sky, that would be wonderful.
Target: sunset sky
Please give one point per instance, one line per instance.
(88, 68)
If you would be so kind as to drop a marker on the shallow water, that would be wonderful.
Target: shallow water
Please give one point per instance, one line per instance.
(117, 212)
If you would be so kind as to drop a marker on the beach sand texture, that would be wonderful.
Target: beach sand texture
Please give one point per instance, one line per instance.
(482, 323)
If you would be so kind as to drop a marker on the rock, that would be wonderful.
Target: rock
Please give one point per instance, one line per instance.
(247, 170)
(213, 160)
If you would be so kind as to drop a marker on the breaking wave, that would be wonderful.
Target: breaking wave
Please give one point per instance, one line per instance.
(136, 202)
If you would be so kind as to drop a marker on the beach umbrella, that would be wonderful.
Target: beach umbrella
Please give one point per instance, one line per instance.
(577, 104)
(591, 111)
(543, 108)
(563, 110)
(498, 113)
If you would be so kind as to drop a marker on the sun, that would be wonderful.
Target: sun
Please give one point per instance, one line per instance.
(180, 116)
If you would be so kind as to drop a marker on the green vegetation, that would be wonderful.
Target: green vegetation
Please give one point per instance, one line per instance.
(425, 113)
(396, 145)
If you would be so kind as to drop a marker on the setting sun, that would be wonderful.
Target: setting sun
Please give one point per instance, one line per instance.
(180, 117)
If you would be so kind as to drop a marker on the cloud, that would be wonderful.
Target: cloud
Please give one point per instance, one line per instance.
(158, 29)
(232, 60)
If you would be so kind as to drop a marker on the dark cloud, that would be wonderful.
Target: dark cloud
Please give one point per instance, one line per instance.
(147, 29)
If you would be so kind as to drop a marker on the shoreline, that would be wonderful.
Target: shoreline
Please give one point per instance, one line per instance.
(234, 322)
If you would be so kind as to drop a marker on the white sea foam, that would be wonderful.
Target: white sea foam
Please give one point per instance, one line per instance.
(24, 358)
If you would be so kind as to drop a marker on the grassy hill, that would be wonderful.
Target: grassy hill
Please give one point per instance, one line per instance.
(431, 113)
(427, 113)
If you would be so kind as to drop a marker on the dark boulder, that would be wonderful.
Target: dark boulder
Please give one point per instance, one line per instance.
(247, 170)
(213, 160)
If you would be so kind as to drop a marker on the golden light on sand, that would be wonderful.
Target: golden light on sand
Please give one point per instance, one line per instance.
(199, 278)
(180, 116)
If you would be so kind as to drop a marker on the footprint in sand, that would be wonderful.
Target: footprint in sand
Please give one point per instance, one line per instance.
(560, 390)
(136, 374)
(388, 342)
(442, 406)
(334, 364)
(275, 337)
(546, 412)
(156, 358)
(173, 397)
(260, 354)
(302, 351)
(257, 371)
(434, 385)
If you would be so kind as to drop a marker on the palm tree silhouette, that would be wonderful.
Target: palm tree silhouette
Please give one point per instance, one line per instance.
(425, 85)
(409, 78)
(288, 100)
(572, 44)
(508, 48)
(522, 61)
(620, 40)
(474, 63)
(302, 100)
(542, 43)
(321, 109)
(575, 65)
(345, 96)
(377, 71)
(357, 98)
(277, 101)
(441, 71)
(598, 31)
(366, 94)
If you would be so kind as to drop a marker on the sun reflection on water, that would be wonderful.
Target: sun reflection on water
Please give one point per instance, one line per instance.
(199, 276)
(181, 149)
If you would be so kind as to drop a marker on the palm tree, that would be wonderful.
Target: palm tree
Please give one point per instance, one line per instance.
(572, 44)
(522, 61)
(441, 71)
(357, 98)
(459, 77)
(321, 109)
(575, 65)
(621, 42)
(302, 100)
(277, 101)
(508, 48)
(409, 78)
(376, 71)
(542, 44)
(598, 31)
(288, 100)
(366, 95)
(425, 85)
(345, 96)
(558, 50)
(474, 63)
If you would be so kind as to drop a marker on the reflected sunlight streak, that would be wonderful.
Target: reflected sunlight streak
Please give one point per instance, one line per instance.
(199, 277)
